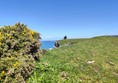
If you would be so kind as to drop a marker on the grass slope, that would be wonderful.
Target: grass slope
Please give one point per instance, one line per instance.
(79, 61)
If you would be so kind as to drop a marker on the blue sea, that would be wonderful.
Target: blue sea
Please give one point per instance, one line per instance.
(47, 44)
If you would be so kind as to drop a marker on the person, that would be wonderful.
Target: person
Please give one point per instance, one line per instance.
(56, 44)
(65, 37)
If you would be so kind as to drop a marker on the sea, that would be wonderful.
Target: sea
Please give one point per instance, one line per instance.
(47, 45)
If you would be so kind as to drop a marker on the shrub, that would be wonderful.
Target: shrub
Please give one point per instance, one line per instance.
(19, 49)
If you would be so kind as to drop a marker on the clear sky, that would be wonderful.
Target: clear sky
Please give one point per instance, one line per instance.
(56, 18)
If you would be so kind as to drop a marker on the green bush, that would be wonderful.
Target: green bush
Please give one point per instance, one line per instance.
(19, 49)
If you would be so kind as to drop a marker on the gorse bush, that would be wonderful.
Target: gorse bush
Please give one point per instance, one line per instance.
(19, 49)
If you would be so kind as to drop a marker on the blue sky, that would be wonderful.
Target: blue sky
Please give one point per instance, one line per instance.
(54, 19)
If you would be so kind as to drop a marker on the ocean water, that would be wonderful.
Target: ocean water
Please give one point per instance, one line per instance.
(47, 44)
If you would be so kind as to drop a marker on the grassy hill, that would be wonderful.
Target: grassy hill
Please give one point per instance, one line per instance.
(92, 60)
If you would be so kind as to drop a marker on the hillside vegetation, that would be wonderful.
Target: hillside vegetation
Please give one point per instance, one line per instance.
(92, 60)
(19, 49)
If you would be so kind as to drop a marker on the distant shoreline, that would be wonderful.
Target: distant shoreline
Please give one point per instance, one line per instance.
(47, 44)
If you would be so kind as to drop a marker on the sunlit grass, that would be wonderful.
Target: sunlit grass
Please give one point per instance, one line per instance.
(81, 61)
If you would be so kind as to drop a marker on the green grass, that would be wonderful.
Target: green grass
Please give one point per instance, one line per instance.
(69, 64)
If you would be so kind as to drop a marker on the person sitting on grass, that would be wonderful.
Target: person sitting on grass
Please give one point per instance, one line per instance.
(57, 44)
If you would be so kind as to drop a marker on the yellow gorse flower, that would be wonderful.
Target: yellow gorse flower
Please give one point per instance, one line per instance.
(16, 64)
(10, 36)
(3, 72)
(24, 30)
(32, 32)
